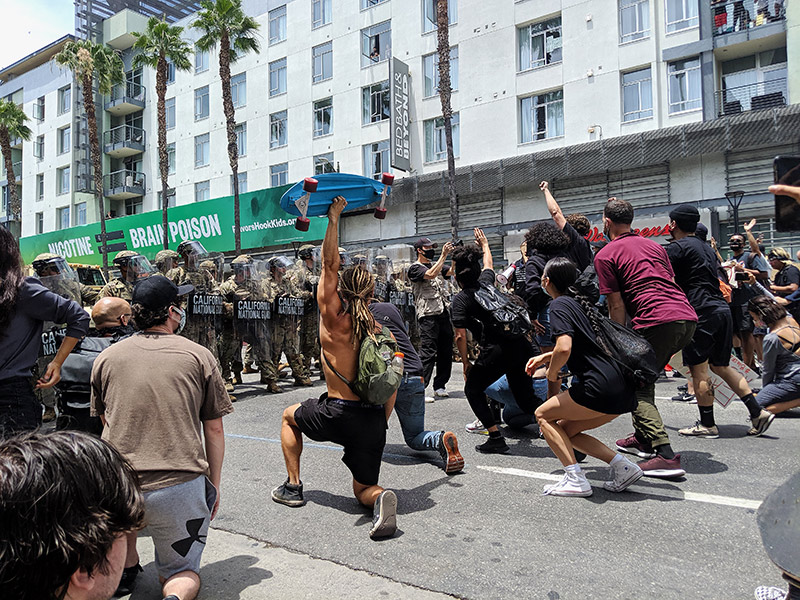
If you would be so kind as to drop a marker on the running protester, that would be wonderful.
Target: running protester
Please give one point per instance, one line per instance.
(695, 267)
(599, 393)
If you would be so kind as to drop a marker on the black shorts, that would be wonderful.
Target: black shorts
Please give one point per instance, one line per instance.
(742, 321)
(358, 426)
(712, 340)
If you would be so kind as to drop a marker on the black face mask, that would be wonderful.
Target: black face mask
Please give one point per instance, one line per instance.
(118, 331)
(736, 246)
(429, 254)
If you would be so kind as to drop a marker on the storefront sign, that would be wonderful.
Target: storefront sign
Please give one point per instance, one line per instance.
(263, 223)
(400, 136)
(649, 228)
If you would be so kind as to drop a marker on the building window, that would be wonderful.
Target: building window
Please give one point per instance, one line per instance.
(430, 72)
(201, 103)
(634, 20)
(279, 174)
(62, 181)
(429, 14)
(278, 126)
(754, 81)
(277, 77)
(323, 163)
(376, 103)
(63, 218)
(321, 13)
(435, 141)
(38, 147)
(40, 186)
(63, 137)
(376, 159)
(277, 25)
(80, 213)
(365, 4)
(134, 206)
(38, 109)
(200, 60)
(637, 95)
(242, 177)
(64, 100)
(239, 90)
(171, 158)
(681, 14)
(376, 43)
(322, 62)
(684, 85)
(542, 116)
(169, 109)
(170, 72)
(241, 138)
(202, 191)
(540, 44)
(40, 222)
(323, 117)
(202, 150)
(170, 199)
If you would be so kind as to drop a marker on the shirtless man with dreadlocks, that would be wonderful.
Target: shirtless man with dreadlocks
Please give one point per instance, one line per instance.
(339, 415)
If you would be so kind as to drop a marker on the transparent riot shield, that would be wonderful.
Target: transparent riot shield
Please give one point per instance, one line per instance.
(307, 271)
(382, 268)
(203, 305)
(138, 268)
(247, 297)
(214, 265)
(61, 280)
(400, 290)
(289, 306)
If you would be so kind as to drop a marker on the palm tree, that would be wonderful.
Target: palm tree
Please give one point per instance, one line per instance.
(90, 62)
(12, 126)
(223, 22)
(445, 91)
(162, 42)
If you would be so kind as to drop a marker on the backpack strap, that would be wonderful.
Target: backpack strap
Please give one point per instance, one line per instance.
(335, 372)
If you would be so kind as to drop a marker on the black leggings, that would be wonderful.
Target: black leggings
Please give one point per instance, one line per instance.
(509, 359)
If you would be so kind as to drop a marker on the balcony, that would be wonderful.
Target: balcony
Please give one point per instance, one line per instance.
(17, 166)
(125, 99)
(729, 16)
(123, 141)
(756, 96)
(123, 185)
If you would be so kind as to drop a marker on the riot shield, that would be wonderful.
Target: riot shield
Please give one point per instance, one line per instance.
(214, 265)
(289, 306)
(247, 295)
(308, 269)
(382, 270)
(64, 283)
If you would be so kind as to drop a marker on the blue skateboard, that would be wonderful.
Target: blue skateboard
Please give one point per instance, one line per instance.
(312, 196)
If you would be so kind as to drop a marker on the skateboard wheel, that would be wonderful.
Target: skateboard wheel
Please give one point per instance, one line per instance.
(302, 223)
(310, 185)
(387, 179)
(380, 213)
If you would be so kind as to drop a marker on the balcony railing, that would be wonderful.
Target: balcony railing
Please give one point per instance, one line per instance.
(756, 96)
(739, 15)
(124, 184)
(126, 98)
(125, 140)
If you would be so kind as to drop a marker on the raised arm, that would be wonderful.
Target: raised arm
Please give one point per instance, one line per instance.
(436, 269)
(327, 297)
(483, 244)
(748, 229)
(552, 206)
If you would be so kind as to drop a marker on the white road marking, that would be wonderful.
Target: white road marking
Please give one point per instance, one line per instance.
(677, 494)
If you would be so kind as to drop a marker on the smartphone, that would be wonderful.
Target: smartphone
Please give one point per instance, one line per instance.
(741, 276)
(787, 210)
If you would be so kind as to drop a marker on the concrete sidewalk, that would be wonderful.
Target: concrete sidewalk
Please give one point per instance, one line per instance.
(236, 566)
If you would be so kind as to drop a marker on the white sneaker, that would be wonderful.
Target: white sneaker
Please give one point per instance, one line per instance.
(572, 484)
(476, 427)
(440, 393)
(429, 399)
(623, 474)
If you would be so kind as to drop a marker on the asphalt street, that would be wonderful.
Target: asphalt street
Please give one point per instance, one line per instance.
(489, 533)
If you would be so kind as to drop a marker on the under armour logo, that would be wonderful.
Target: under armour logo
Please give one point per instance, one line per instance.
(183, 546)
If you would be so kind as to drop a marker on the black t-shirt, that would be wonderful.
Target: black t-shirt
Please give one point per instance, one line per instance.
(535, 296)
(387, 314)
(519, 278)
(579, 251)
(787, 276)
(468, 314)
(416, 272)
(695, 265)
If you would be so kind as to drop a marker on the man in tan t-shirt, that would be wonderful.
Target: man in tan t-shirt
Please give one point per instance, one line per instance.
(155, 391)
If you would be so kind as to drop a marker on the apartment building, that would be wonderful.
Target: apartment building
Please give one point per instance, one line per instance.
(658, 101)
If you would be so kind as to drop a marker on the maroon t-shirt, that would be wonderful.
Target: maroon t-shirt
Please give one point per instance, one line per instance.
(640, 270)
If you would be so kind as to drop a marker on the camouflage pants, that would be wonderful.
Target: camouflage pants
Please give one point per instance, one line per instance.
(309, 338)
(259, 352)
(413, 330)
(229, 348)
(285, 340)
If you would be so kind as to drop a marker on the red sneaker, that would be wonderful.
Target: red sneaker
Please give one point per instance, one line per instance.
(666, 468)
(633, 446)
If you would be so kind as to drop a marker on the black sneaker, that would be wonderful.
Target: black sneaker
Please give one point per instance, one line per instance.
(684, 397)
(683, 387)
(128, 580)
(493, 446)
(384, 517)
(288, 494)
(579, 456)
(448, 450)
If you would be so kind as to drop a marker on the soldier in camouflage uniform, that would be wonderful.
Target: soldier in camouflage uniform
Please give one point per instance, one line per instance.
(166, 260)
(245, 284)
(308, 269)
(284, 327)
(132, 267)
(399, 283)
(381, 267)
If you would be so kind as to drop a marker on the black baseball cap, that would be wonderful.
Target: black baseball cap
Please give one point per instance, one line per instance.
(158, 292)
(423, 241)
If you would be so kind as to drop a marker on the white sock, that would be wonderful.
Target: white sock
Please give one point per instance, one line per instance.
(617, 459)
(576, 468)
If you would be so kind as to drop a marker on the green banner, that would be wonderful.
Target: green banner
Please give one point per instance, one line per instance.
(263, 223)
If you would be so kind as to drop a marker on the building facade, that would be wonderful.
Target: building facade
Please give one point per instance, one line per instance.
(656, 101)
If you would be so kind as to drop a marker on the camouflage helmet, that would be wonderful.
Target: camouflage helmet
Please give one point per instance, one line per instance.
(187, 247)
(163, 255)
(41, 261)
(242, 259)
(123, 257)
(306, 251)
(208, 264)
(46, 256)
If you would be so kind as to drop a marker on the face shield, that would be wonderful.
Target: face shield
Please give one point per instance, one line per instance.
(134, 268)
(165, 265)
(244, 272)
(54, 273)
(214, 265)
(194, 253)
(278, 265)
